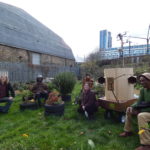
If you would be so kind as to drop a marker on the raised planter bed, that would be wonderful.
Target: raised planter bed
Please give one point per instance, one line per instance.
(30, 106)
(55, 109)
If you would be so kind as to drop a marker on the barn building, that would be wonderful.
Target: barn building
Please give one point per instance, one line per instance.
(26, 41)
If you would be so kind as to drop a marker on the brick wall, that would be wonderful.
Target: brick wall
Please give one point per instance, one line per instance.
(11, 54)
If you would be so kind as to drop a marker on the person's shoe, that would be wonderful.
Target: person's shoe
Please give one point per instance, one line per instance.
(144, 147)
(125, 134)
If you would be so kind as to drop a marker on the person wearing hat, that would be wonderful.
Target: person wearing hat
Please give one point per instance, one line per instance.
(40, 90)
(142, 109)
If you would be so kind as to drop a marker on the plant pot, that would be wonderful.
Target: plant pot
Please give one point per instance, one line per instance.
(55, 109)
(31, 106)
(66, 98)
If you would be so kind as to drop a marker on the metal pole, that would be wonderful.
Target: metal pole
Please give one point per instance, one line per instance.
(147, 45)
(121, 39)
(148, 40)
(122, 52)
(129, 47)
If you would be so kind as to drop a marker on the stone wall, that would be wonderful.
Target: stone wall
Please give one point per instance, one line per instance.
(11, 54)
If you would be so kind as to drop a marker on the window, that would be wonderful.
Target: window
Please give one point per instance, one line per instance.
(35, 59)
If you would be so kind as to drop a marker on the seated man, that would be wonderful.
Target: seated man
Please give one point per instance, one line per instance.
(40, 90)
(6, 94)
(88, 102)
(142, 110)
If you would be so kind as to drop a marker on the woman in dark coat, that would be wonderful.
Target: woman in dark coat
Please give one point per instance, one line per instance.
(6, 94)
(88, 102)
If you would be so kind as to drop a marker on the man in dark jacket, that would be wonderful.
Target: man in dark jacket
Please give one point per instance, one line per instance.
(88, 102)
(142, 110)
(6, 94)
(40, 90)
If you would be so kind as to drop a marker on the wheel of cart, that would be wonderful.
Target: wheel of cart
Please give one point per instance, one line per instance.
(108, 114)
(119, 116)
(115, 109)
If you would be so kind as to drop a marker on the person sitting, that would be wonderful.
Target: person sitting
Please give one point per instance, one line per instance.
(142, 110)
(88, 102)
(89, 80)
(6, 94)
(40, 90)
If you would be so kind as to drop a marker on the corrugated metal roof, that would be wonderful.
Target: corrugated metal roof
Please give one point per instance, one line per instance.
(21, 30)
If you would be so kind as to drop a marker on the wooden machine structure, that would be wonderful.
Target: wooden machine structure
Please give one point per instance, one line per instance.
(119, 90)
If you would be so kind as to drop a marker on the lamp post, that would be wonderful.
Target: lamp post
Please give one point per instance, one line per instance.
(148, 40)
(120, 36)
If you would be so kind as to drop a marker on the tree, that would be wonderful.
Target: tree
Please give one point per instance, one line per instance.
(91, 64)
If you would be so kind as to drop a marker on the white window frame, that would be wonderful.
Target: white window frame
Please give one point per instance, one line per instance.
(36, 59)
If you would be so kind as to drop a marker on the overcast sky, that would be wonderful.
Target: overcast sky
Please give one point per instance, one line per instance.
(78, 22)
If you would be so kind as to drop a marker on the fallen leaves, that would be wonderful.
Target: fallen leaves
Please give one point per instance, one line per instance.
(25, 135)
(141, 131)
(81, 133)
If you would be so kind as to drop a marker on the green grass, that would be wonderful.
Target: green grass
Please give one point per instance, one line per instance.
(69, 132)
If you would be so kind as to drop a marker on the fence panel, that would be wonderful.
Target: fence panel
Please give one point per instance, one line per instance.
(21, 72)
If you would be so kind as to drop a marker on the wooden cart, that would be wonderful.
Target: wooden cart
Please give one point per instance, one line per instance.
(117, 107)
(119, 91)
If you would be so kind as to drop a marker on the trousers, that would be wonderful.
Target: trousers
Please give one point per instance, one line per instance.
(143, 122)
(8, 102)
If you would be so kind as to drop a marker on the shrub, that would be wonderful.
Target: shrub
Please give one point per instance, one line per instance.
(138, 86)
(64, 82)
(26, 94)
(20, 86)
(54, 98)
(99, 90)
(50, 86)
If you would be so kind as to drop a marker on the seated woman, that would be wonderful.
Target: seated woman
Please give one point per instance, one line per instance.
(6, 94)
(88, 102)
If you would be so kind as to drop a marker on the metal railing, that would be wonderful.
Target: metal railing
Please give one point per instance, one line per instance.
(21, 72)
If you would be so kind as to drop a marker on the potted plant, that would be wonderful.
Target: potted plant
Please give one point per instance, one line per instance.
(64, 83)
(28, 101)
(54, 105)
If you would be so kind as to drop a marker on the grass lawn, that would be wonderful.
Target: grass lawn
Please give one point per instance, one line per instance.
(69, 132)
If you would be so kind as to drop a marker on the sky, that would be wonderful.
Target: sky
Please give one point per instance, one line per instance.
(78, 22)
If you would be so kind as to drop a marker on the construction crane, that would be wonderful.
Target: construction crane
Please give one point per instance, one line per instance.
(147, 39)
(120, 36)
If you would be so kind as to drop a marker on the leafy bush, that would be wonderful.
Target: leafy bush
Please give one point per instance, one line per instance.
(54, 98)
(27, 94)
(21, 86)
(51, 86)
(99, 89)
(138, 86)
(64, 82)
